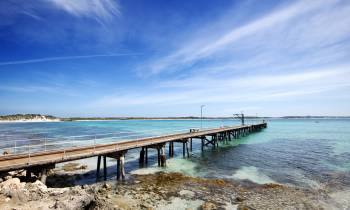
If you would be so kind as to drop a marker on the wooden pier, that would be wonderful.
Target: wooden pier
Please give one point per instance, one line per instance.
(40, 162)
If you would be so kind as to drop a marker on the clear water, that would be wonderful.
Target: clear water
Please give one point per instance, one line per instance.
(302, 152)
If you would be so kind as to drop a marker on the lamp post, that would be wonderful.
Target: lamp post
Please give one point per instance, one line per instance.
(202, 116)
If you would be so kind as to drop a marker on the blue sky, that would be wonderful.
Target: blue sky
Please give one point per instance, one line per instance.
(166, 58)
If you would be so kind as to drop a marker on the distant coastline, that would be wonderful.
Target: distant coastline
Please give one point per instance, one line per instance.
(49, 118)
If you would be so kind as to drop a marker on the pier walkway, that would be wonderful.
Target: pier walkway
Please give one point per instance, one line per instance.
(40, 162)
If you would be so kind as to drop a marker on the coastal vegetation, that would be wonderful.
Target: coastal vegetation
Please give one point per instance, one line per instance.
(27, 117)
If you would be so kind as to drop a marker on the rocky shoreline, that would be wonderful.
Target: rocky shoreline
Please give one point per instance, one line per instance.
(157, 191)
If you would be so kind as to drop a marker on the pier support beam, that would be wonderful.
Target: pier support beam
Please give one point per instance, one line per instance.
(98, 167)
(104, 167)
(120, 156)
(40, 171)
(171, 149)
(158, 156)
(191, 145)
(185, 147)
(142, 156)
(160, 151)
(120, 167)
(202, 143)
(28, 174)
(43, 175)
(162, 157)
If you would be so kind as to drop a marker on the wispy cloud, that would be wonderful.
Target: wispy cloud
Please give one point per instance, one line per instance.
(101, 10)
(252, 88)
(39, 60)
(297, 27)
(37, 89)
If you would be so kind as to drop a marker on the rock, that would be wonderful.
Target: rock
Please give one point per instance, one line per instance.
(75, 199)
(208, 206)
(14, 189)
(36, 186)
(245, 208)
(83, 167)
(14, 183)
(6, 152)
(187, 193)
(107, 186)
(239, 199)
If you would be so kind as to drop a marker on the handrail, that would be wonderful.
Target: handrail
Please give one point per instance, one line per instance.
(125, 144)
(73, 142)
(90, 135)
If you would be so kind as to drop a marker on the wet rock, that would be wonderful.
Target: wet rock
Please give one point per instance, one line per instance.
(107, 186)
(187, 193)
(239, 199)
(75, 200)
(208, 206)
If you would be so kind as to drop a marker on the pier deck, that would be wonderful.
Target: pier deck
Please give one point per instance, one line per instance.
(44, 160)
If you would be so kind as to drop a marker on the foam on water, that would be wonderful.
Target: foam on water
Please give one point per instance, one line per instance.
(145, 171)
(303, 180)
(181, 165)
(341, 198)
(253, 174)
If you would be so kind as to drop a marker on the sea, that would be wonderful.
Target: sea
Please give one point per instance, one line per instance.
(310, 153)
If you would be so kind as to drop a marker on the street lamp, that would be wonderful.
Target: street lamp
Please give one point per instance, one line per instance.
(202, 116)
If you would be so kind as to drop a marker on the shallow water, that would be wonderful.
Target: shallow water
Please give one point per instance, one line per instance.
(302, 152)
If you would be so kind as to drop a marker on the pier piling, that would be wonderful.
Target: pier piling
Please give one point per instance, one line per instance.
(163, 157)
(104, 167)
(98, 167)
(41, 161)
(142, 156)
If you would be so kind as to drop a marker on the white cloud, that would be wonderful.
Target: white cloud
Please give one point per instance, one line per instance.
(39, 60)
(295, 28)
(253, 88)
(101, 10)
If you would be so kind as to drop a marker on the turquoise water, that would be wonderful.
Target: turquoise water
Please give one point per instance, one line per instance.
(302, 152)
